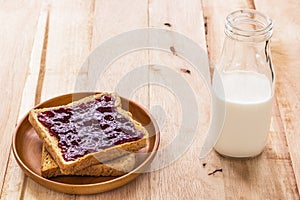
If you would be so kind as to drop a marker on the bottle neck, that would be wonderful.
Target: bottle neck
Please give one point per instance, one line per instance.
(246, 47)
(248, 26)
(245, 55)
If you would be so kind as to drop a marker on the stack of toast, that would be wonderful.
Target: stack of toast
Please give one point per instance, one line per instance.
(93, 136)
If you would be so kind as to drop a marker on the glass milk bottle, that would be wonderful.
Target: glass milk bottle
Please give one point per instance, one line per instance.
(243, 82)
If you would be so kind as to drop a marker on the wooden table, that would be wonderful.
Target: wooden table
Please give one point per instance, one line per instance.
(44, 43)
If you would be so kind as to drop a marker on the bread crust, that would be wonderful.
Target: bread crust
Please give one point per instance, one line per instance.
(116, 167)
(69, 167)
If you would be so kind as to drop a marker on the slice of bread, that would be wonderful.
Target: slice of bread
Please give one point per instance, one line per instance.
(71, 166)
(116, 167)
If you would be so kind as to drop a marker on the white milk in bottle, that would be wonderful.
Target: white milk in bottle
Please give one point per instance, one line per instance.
(243, 83)
(248, 102)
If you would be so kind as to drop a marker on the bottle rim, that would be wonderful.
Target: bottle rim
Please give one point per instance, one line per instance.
(261, 29)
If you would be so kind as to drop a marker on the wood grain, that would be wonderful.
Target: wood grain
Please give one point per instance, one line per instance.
(65, 46)
(112, 18)
(44, 44)
(285, 47)
(15, 181)
(189, 177)
(244, 179)
(215, 13)
(17, 38)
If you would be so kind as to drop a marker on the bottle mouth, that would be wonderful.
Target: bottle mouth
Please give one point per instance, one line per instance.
(248, 25)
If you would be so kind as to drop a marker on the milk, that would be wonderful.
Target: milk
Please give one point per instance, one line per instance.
(248, 103)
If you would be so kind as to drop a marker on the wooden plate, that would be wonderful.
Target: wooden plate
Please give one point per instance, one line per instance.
(27, 148)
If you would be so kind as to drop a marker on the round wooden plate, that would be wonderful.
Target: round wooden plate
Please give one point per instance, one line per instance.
(27, 148)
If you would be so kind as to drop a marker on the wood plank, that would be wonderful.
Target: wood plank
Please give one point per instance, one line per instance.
(76, 27)
(106, 26)
(185, 178)
(69, 41)
(285, 45)
(65, 46)
(16, 42)
(245, 179)
(64, 61)
(215, 13)
(15, 178)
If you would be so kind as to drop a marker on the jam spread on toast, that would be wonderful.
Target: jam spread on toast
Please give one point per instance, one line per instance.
(89, 127)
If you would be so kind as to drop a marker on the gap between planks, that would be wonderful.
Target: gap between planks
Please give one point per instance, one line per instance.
(41, 75)
(91, 24)
(39, 52)
(37, 60)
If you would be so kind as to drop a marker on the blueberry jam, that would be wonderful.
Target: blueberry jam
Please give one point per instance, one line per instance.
(89, 127)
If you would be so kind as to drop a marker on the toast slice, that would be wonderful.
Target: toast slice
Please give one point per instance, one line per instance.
(89, 131)
(116, 167)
